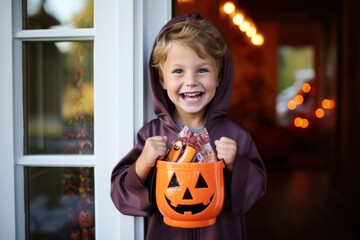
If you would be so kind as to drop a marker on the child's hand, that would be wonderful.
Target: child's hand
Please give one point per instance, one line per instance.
(226, 149)
(154, 148)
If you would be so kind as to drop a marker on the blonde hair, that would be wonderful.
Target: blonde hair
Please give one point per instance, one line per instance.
(199, 35)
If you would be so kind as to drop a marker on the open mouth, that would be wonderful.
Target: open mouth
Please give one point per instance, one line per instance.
(191, 96)
(193, 208)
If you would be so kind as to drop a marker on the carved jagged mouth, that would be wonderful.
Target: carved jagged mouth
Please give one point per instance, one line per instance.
(194, 208)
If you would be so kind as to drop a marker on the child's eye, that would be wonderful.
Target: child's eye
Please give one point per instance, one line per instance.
(178, 71)
(203, 70)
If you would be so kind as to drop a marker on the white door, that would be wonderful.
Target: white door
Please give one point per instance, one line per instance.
(73, 94)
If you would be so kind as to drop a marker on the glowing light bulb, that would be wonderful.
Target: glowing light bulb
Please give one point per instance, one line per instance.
(306, 87)
(299, 99)
(251, 32)
(292, 105)
(244, 25)
(326, 103)
(305, 123)
(238, 19)
(257, 39)
(229, 7)
(319, 113)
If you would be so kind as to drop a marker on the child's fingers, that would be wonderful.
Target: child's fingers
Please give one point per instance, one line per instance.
(226, 148)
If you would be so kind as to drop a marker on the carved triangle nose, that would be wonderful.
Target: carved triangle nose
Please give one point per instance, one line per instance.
(187, 194)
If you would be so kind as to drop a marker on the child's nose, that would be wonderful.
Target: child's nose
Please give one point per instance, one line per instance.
(191, 80)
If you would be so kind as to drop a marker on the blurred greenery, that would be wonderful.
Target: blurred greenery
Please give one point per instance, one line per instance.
(292, 58)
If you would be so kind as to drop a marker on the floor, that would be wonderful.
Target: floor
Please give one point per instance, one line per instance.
(297, 207)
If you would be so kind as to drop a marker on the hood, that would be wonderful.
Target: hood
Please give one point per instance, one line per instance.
(218, 106)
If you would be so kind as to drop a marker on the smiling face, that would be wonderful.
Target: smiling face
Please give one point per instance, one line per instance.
(190, 81)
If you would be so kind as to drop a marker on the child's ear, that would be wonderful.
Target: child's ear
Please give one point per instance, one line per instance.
(218, 82)
(163, 85)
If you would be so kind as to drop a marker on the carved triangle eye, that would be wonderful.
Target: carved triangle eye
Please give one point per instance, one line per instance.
(201, 183)
(174, 182)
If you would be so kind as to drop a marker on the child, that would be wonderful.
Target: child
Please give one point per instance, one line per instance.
(191, 75)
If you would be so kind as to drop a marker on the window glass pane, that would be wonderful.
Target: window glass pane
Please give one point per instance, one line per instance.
(44, 14)
(58, 97)
(59, 203)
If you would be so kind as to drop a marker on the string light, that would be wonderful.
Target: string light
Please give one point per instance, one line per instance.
(244, 23)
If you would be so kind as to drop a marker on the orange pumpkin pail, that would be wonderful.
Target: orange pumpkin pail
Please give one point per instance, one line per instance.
(190, 195)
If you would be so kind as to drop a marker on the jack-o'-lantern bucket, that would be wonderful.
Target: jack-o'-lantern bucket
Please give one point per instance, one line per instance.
(190, 195)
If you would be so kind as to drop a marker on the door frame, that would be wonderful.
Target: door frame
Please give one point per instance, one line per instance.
(124, 87)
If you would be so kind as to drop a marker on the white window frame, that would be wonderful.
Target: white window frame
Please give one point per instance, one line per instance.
(7, 173)
(150, 17)
(123, 35)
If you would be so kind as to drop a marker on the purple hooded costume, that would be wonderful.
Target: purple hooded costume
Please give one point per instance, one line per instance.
(244, 186)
